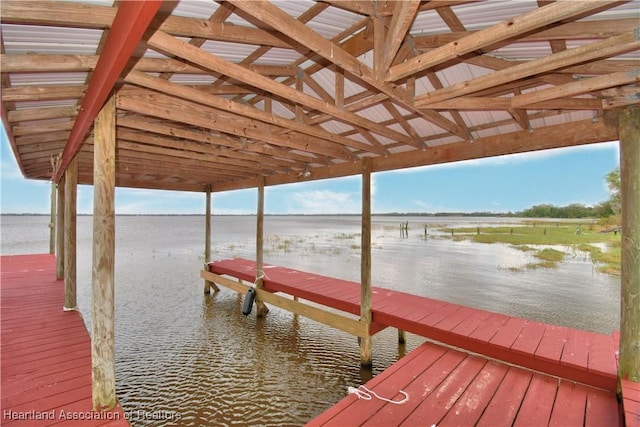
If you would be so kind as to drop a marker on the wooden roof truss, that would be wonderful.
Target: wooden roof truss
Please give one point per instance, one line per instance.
(221, 94)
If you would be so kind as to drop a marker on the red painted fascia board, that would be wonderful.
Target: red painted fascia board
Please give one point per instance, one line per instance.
(129, 24)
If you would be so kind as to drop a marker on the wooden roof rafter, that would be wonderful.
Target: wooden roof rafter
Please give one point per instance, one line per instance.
(269, 89)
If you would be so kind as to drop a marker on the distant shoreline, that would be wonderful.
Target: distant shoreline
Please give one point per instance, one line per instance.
(392, 214)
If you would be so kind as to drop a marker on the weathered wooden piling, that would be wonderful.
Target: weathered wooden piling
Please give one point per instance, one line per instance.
(52, 220)
(60, 207)
(103, 361)
(629, 132)
(366, 348)
(262, 309)
(402, 338)
(208, 285)
(70, 220)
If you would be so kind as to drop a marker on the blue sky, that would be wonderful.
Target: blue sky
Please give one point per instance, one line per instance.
(500, 184)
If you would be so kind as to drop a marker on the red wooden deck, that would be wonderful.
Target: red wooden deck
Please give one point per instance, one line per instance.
(46, 352)
(563, 376)
(447, 387)
(631, 403)
(581, 356)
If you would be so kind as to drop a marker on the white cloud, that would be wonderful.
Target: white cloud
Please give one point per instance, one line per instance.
(323, 201)
(138, 201)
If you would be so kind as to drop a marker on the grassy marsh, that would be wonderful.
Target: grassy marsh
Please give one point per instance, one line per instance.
(579, 236)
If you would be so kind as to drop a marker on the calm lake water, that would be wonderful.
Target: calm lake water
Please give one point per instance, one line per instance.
(187, 359)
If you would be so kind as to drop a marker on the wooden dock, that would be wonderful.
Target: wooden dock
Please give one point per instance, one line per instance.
(447, 387)
(46, 352)
(577, 355)
(553, 364)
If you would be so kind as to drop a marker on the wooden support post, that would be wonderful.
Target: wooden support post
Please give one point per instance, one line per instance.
(60, 207)
(52, 221)
(207, 226)
(208, 285)
(629, 131)
(102, 290)
(262, 309)
(402, 339)
(366, 350)
(70, 219)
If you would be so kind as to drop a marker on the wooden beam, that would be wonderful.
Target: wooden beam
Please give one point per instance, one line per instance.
(610, 47)
(343, 323)
(504, 103)
(581, 30)
(276, 18)
(42, 114)
(621, 96)
(171, 45)
(72, 14)
(186, 93)
(137, 122)
(31, 93)
(579, 87)
(366, 345)
(103, 359)
(511, 28)
(164, 107)
(522, 141)
(379, 35)
(403, 15)
(356, 6)
(629, 363)
(39, 63)
(70, 231)
(128, 26)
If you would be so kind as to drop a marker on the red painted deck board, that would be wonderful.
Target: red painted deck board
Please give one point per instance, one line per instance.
(447, 387)
(506, 336)
(46, 352)
(438, 403)
(576, 355)
(569, 407)
(467, 409)
(428, 381)
(504, 406)
(601, 411)
(552, 343)
(576, 349)
(527, 341)
(631, 402)
(536, 407)
(462, 314)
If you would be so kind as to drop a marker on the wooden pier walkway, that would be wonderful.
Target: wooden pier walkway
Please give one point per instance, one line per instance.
(577, 355)
(46, 352)
(447, 387)
(562, 376)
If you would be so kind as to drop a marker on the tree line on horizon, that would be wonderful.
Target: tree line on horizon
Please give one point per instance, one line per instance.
(606, 209)
(609, 208)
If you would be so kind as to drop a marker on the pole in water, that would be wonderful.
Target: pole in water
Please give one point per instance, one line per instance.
(247, 306)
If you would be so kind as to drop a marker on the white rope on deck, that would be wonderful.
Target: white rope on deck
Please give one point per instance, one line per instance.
(364, 393)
